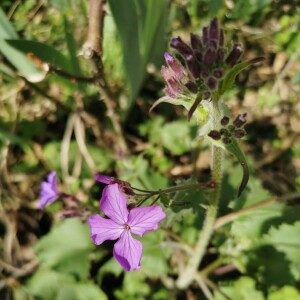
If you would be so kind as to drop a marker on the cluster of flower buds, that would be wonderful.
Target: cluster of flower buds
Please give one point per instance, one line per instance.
(201, 65)
(229, 131)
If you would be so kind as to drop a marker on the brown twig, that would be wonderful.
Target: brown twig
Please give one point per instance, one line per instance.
(92, 49)
(72, 77)
(235, 215)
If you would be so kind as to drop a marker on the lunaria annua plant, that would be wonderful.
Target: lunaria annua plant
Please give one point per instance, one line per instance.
(197, 74)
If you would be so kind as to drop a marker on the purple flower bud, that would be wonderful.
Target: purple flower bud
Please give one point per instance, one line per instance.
(193, 65)
(198, 55)
(204, 35)
(226, 140)
(195, 41)
(174, 86)
(221, 39)
(234, 55)
(215, 135)
(209, 57)
(221, 54)
(175, 66)
(213, 44)
(223, 131)
(167, 91)
(166, 73)
(211, 83)
(224, 121)
(239, 133)
(181, 47)
(240, 120)
(192, 86)
(204, 71)
(206, 95)
(218, 73)
(214, 29)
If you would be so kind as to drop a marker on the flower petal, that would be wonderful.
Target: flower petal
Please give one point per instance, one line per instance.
(128, 252)
(103, 229)
(103, 178)
(144, 219)
(113, 204)
(51, 178)
(46, 199)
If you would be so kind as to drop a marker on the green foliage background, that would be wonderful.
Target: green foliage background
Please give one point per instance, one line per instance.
(45, 258)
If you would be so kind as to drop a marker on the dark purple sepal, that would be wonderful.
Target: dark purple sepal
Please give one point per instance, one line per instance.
(191, 86)
(211, 83)
(193, 65)
(209, 57)
(234, 55)
(214, 29)
(195, 41)
(181, 47)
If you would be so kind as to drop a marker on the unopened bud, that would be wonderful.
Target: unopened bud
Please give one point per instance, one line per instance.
(226, 140)
(221, 39)
(204, 72)
(234, 55)
(204, 35)
(239, 133)
(193, 65)
(206, 95)
(214, 29)
(174, 65)
(224, 121)
(211, 83)
(195, 41)
(215, 135)
(181, 47)
(240, 120)
(167, 91)
(221, 54)
(218, 73)
(209, 57)
(198, 55)
(191, 86)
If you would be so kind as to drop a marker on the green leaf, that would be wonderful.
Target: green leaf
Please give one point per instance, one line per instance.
(24, 65)
(241, 289)
(235, 149)
(141, 26)
(176, 137)
(269, 267)
(228, 81)
(155, 257)
(201, 114)
(48, 284)
(286, 239)
(68, 242)
(44, 52)
(134, 287)
(285, 293)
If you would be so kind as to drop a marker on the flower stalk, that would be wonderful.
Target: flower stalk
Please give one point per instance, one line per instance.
(189, 273)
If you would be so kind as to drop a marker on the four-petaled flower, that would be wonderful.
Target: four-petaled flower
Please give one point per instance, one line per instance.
(122, 223)
(49, 192)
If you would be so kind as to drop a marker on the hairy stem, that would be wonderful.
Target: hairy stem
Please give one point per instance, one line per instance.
(189, 273)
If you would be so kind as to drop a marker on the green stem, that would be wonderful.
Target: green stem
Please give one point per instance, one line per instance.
(189, 273)
(176, 188)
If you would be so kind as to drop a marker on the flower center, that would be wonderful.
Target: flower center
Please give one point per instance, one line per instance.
(126, 227)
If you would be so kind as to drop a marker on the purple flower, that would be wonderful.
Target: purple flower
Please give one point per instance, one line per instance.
(49, 192)
(122, 223)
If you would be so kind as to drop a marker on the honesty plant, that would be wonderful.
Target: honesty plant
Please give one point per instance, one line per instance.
(197, 74)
